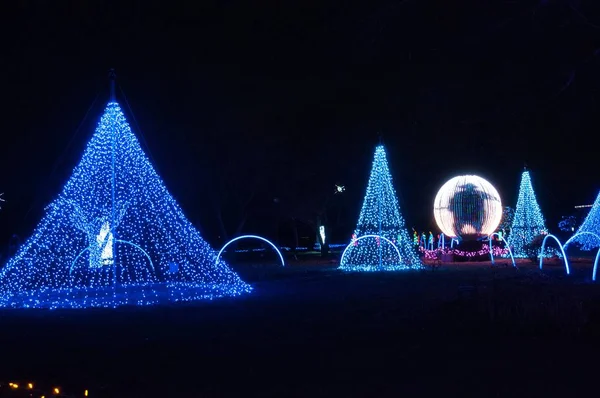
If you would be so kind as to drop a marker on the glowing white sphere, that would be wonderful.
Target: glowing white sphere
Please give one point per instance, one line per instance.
(467, 207)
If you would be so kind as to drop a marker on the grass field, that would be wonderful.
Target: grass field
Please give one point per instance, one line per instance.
(310, 330)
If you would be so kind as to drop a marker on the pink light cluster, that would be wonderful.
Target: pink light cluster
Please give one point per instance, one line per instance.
(485, 249)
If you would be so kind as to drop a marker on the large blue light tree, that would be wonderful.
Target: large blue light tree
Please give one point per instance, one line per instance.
(590, 224)
(114, 236)
(528, 221)
(380, 215)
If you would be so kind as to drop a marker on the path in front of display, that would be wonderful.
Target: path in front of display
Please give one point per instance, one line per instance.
(310, 330)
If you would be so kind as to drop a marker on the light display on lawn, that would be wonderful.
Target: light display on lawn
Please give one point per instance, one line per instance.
(114, 236)
(528, 221)
(467, 207)
(380, 216)
(590, 224)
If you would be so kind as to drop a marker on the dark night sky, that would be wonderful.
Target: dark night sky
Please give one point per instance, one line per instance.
(295, 92)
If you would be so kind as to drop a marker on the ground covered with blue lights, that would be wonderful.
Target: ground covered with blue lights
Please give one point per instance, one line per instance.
(468, 330)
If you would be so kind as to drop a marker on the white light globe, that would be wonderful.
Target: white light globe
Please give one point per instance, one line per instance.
(467, 207)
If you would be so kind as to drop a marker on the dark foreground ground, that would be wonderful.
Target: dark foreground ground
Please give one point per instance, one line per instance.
(310, 331)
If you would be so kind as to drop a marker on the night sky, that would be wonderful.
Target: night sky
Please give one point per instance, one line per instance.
(268, 104)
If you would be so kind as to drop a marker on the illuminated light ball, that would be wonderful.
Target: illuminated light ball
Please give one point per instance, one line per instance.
(467, 207)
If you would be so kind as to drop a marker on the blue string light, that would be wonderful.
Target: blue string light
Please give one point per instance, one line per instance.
(114, 236)
(528, 221)
(590, 224)
(380, 215)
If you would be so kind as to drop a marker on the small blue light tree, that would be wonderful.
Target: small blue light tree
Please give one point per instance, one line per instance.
(528, 220)
(114, 236)
(380, 215)
(567, 223)
(590, 224)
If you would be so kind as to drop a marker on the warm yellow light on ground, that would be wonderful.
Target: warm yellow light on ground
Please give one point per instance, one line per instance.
(13, 385)
(56, 390)
(30, 386)
(85, 393)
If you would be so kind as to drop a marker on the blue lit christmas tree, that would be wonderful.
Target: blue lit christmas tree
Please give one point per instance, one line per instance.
(528, 221)
(380, 216)
(114, 236)
(590, 224)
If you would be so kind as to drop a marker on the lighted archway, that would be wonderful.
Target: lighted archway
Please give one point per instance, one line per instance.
(507, 246)
(369, 236)
(596, 265)
(251, 237)
(578, 234)
(561, 249)
(595, 270)
(118, 241)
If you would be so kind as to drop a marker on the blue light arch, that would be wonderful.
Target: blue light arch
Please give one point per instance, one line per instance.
(572, 238)
(370, 236)
(250, 237)
(116, 241)
(561, 249)
(507, 246)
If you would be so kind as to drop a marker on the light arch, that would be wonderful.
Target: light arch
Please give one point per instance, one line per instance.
(370, 236)
(250, 237)
(507, 245)
(595, 270)
(561, 249)
(117, 241)
(578, 234)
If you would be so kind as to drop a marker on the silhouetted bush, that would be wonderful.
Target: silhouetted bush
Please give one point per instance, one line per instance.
(533, 248)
